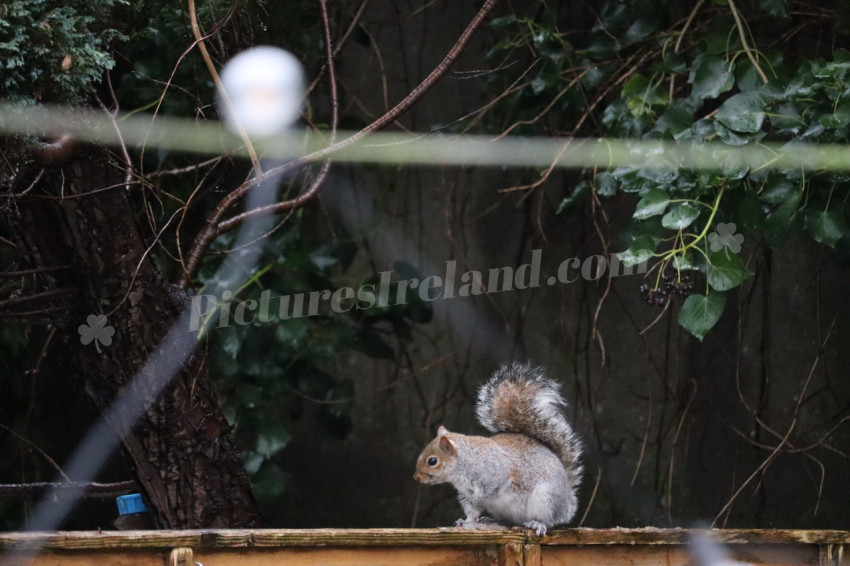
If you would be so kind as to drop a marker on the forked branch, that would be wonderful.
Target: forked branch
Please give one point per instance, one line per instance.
(215, 225)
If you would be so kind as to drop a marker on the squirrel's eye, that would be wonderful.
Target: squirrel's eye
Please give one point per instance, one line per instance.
(432, 461)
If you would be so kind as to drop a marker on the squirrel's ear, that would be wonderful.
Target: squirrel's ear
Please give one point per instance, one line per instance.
(447, 445)
(442, 431)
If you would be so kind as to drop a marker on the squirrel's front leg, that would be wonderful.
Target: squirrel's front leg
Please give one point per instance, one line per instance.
(472, 512)
(474, 520)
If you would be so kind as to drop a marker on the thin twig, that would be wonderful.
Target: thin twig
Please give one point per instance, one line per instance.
(313, 189)
(36, 297)
(128, 174)
(70, 489)
(742, 34)
(592, 497)
(225, 97)
(211, 230)
(35, 447)
(784, 441)
(36, 271)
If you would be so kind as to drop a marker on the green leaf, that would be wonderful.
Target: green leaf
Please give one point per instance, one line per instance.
(640, 251)
(606, 184)
(643, 25)
(503, 21)
(641, 95)
(270, 443)
(671, 62)
(652, 204)
(700, 313)
(711, 77)
(680, 217)
(726, 270)
(838, 119)
(781, 221)
(777, 188)
(269, 482)
(578, 193)
(547, 43)
(835, 69)
(676, 120)
(743, 112)
(826, 226)
(774, 8)
(684, 262)
(600, 45)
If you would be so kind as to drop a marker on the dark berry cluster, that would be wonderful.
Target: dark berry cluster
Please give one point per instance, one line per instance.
(681, 286)
(657, 297)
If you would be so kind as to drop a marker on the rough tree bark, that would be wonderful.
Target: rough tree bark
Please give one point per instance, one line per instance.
(77, 214)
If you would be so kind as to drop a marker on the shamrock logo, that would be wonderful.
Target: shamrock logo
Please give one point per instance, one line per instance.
(96, 330)
(725, 237)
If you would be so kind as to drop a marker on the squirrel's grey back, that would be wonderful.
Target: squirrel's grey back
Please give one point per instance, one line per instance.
(519, 398)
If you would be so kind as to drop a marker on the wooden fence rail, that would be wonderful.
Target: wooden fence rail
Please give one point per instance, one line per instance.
(421, 547)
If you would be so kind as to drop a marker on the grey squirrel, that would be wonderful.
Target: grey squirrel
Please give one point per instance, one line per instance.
(528, 473)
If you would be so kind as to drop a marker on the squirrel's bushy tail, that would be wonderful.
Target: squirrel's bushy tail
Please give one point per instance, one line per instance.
(519, 398)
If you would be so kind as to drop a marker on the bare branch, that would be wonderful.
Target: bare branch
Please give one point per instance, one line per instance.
(313, 189)
(212, 230)
(202, 47)
(65, 490)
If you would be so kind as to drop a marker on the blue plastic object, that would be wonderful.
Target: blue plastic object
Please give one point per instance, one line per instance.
(130, 504)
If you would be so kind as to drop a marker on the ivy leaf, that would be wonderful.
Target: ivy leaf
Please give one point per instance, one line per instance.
(676, 120)
(269, 482)
(743, 112)
(711, 77)
(836, 69)
(652, 204)
(780, 222)
(548, 44)
(606, 184)
(601, 45)
(271, 442)
(838, 119)
(503, 22)
(680, 217)
(640, 251)
(642, 95)
(700, 313)
(826, 226)
(671, 62)
(726, 270)
(774, 8)
(777, 188)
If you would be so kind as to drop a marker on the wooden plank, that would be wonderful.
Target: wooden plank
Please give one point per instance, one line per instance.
(533, 555)
(650, 535)
(65, 558)
(669, 555)
(512, 555)
(834, 555)
(648, 546)
(404, 556)
(262, 538)
(271, 538)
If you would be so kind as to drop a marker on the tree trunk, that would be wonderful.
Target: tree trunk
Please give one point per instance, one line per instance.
(181, 450)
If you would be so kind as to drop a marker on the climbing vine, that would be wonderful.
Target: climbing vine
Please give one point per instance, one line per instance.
(711, 75)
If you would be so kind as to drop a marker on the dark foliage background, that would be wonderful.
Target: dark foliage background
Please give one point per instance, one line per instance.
(728, 405)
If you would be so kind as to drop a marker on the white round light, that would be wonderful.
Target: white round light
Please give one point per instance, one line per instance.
(266, 88)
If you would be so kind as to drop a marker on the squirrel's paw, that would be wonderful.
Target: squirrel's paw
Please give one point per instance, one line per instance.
(536, 526)
(479, 524)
